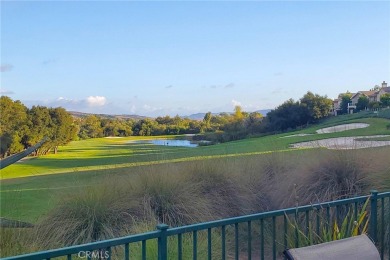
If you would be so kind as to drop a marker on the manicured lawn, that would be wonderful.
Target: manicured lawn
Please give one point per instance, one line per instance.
(111, 153)
(31, 187)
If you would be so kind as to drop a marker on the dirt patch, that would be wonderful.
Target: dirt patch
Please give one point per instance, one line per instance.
(341, 143)
(340, 128)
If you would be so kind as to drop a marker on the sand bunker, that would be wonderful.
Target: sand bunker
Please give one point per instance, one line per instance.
(342, 143)
(295, 135)
(340, 128)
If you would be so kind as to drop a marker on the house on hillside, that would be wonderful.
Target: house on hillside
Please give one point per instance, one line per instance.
(337, 103)
(370, 94)
(336, 106)
(384, 90)
(373, 96)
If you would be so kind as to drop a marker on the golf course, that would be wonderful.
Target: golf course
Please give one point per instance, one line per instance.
(102, 188)
(31, 187)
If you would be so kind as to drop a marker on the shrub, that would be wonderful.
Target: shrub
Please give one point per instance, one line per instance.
(334, 175)
(172, 198)
(96, 213)
(344, 227)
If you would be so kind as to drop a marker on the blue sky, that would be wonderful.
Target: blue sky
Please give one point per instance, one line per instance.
(168, 58)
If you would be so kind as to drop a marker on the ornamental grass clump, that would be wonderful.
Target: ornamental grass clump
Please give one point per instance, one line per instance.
(172, 198)
(13, 241)
(95, 213)
(220, 189)
(334, 175)
(323, 229)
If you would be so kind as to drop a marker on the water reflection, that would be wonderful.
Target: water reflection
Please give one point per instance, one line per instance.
(171, 142)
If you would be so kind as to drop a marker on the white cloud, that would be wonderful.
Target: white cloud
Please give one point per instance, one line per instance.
(133, 109)
(6, 92)
(277, 91)
(236, 103)
(215, 86)
(230, 85)
(96, 101)
(149, 108)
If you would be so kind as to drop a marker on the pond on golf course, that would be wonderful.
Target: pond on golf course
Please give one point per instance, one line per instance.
(172, 142)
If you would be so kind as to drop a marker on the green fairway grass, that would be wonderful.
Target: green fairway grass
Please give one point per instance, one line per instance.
(31, 187)
(110, 153)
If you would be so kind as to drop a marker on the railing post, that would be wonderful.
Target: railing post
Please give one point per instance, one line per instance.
(374, 215)
(162, 242)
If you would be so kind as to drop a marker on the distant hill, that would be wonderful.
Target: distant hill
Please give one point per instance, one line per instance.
(197, 116)
(200, 116)
(264, 112)
(82, 115)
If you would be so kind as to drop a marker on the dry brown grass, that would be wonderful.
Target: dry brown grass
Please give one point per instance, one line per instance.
(13, 241)
(191, 192)
(95, 213)
(325, 175)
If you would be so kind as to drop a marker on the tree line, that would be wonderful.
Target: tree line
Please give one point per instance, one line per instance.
(22, 127)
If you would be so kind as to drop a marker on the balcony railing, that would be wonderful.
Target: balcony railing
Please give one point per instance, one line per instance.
(257, 236)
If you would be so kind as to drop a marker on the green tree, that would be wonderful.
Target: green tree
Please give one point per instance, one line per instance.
(317, 106)
(39, 123)
(207, 119)
(91, 127)
(374, 105)
(345, 100)
(13, 126)
(194, 127)
(385, 100)
(206, 122)
(253, 122)
(22, 127)
(166, 120)
(238, 113)
(362, 103)
(63, 129)
(289, 115)
(116, 127)
(145, 127)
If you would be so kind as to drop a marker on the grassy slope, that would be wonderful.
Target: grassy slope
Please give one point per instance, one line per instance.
(101, 154)
(87, 162)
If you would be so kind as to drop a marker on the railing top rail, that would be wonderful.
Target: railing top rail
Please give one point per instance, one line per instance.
(383, 195)
(16, 157)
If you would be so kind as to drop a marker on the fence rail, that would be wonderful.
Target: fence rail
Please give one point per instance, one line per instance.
(257, 236)
(16, 157)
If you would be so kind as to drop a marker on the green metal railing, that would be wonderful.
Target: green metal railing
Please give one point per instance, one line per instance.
(16, 157)
(257, 236)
